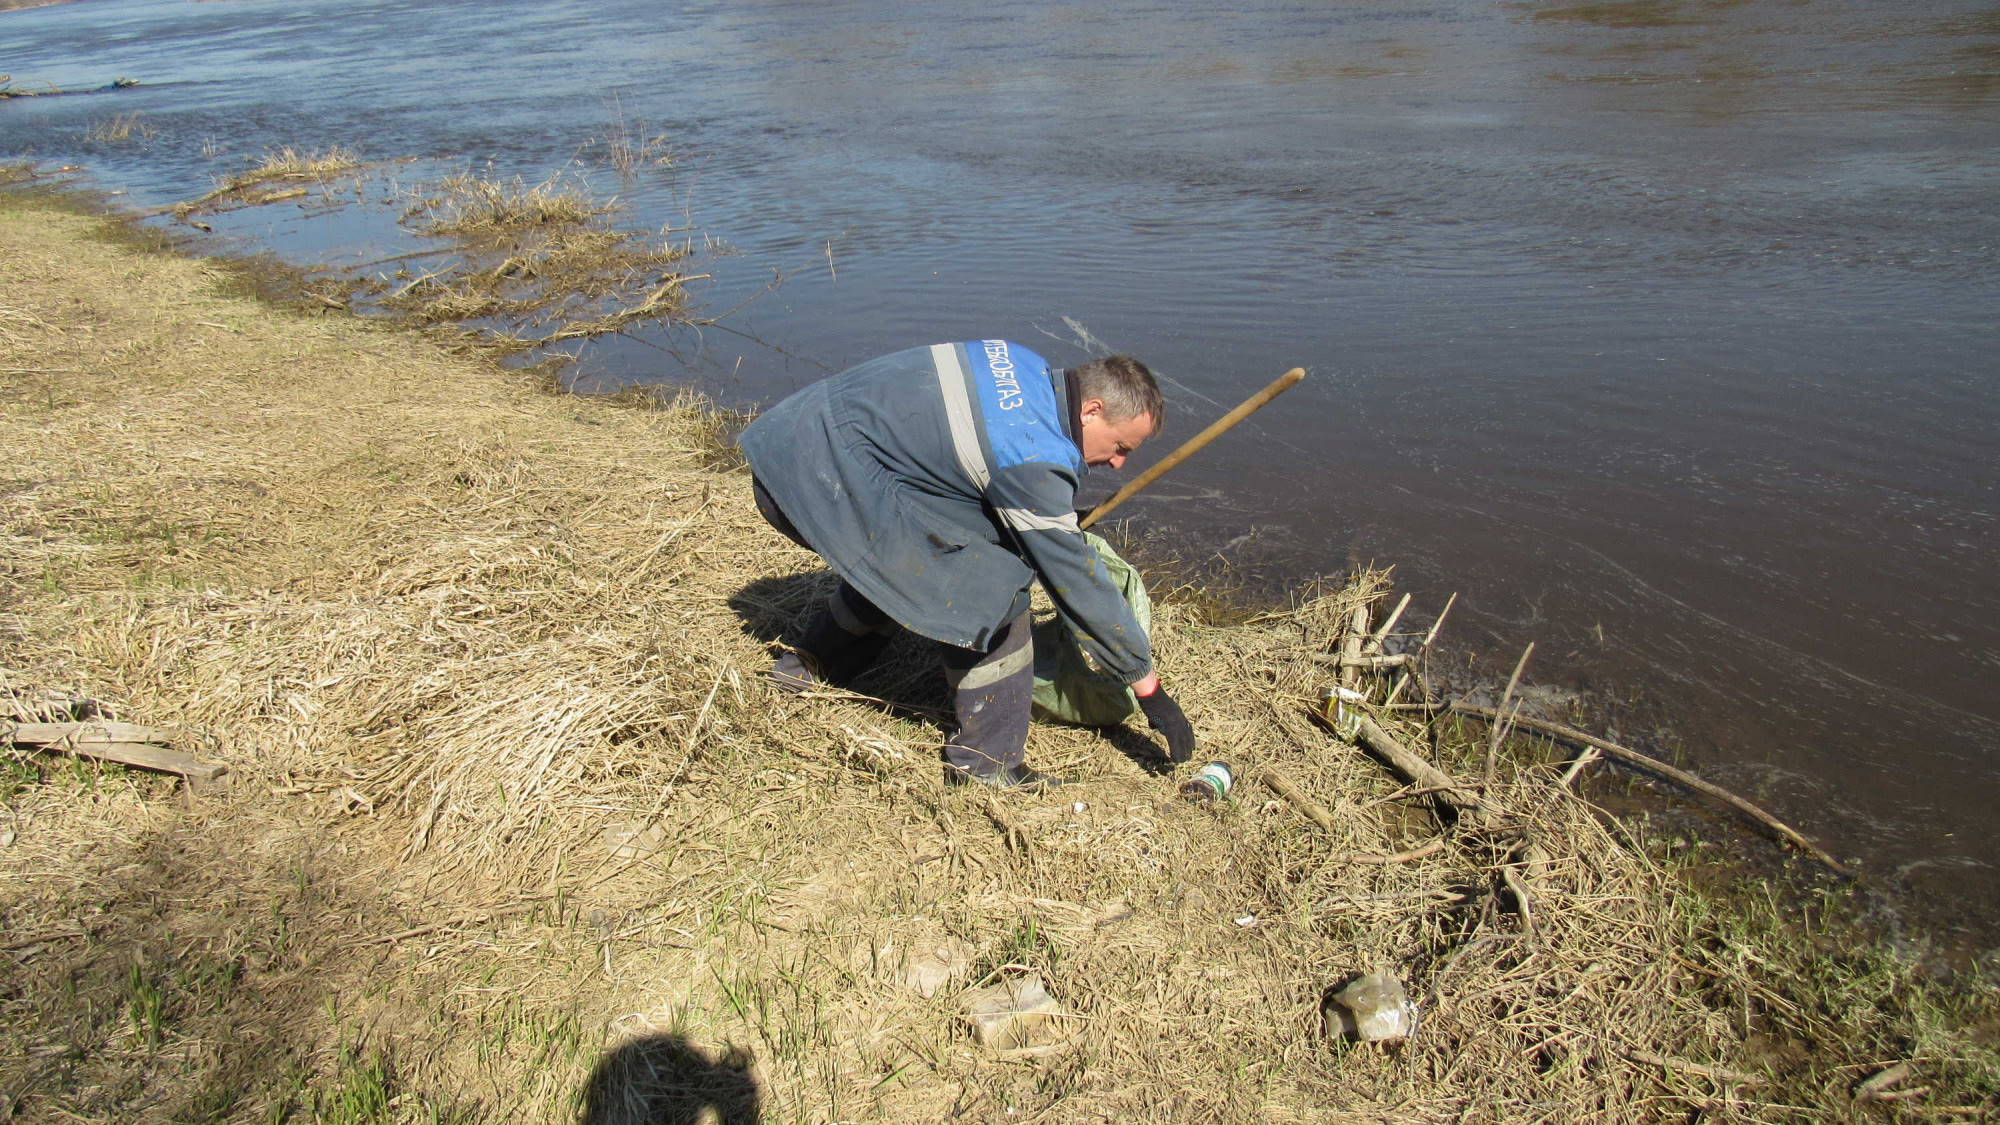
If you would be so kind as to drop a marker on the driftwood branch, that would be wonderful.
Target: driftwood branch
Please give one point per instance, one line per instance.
(1414, 768)
(1654, 766)
(123, 743)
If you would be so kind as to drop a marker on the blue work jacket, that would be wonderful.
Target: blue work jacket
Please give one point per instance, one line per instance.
(940, 482)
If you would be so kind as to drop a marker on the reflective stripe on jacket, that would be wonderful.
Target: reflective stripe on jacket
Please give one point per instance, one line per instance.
(940, 482)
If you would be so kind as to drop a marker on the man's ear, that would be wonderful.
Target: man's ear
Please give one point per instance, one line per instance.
(1091, 408)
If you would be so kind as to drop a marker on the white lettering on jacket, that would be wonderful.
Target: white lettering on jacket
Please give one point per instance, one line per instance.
(1005, 383)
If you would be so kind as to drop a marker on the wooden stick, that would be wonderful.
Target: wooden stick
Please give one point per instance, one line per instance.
(1584, 757)
(1374, 644)
(1424, 649)
(1366, 660)
(1500, 728)
(13, 944)
(458, 920)
(1720, 1074)
(1194, 444)
(1518, 886)
(1655, 766)
(41, 734)
(1394, 857)
(1874, 1086)
(1414, 768)
(1284, 787)
(1350, 648)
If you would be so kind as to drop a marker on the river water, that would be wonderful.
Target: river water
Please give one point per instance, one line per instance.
(1661, 331)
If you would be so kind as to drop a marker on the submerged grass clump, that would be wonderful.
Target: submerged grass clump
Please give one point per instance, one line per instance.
(523, 267)
(120, 128)
(465, 204)
(518, 835)
(290, 164)
(282, 174)
(533, 267)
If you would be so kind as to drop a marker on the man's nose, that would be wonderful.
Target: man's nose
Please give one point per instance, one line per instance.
(1117, 461)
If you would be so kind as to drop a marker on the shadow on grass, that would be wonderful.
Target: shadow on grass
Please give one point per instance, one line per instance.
(664, 1080)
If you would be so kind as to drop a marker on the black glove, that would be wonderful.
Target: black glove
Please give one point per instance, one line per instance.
(1166, 717)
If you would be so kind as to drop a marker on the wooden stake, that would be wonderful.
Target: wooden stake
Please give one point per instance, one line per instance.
(1415, 853)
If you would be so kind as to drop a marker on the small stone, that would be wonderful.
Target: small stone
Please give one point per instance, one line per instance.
(1372, 1008)
(1014, 1013)
(930, 971)
(7, 838)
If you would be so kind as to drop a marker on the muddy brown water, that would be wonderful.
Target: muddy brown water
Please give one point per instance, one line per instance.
(1661, 331)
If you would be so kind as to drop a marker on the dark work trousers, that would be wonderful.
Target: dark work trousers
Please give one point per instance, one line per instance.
(992, 692)
(850, 632)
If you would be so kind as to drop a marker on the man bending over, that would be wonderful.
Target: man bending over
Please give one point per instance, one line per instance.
(940, 483)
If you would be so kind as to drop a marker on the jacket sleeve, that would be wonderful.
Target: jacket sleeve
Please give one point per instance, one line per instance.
(1034, 501)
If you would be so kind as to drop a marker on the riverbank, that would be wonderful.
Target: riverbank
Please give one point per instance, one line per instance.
(516, 834)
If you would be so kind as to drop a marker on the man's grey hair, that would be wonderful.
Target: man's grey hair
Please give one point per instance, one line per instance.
(1125, 386)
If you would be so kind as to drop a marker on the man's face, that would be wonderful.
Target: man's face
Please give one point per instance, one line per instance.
(1109, 443)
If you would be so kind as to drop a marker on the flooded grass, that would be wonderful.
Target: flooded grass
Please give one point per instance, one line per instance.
(281, 174)
(466, 205)
(532, 266)
(120, 128)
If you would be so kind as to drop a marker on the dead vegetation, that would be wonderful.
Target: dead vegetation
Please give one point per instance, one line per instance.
(278, 175)
(518, 836)
(532, 266)
(121, 127)
(522, 267)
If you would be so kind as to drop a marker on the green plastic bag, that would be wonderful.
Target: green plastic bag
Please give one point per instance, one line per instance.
(1067, 688)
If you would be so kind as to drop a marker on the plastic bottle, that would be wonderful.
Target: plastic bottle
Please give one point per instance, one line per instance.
(1210, 784)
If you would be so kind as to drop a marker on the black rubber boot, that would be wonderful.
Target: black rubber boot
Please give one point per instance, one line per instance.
(1013, 779)
(843, 641)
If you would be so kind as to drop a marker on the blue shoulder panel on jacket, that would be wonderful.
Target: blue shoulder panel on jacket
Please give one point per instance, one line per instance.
(1019, 405)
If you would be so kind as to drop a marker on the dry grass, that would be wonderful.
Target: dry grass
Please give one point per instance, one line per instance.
(518, 836)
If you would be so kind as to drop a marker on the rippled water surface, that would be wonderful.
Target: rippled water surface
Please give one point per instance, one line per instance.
(1663, 331)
